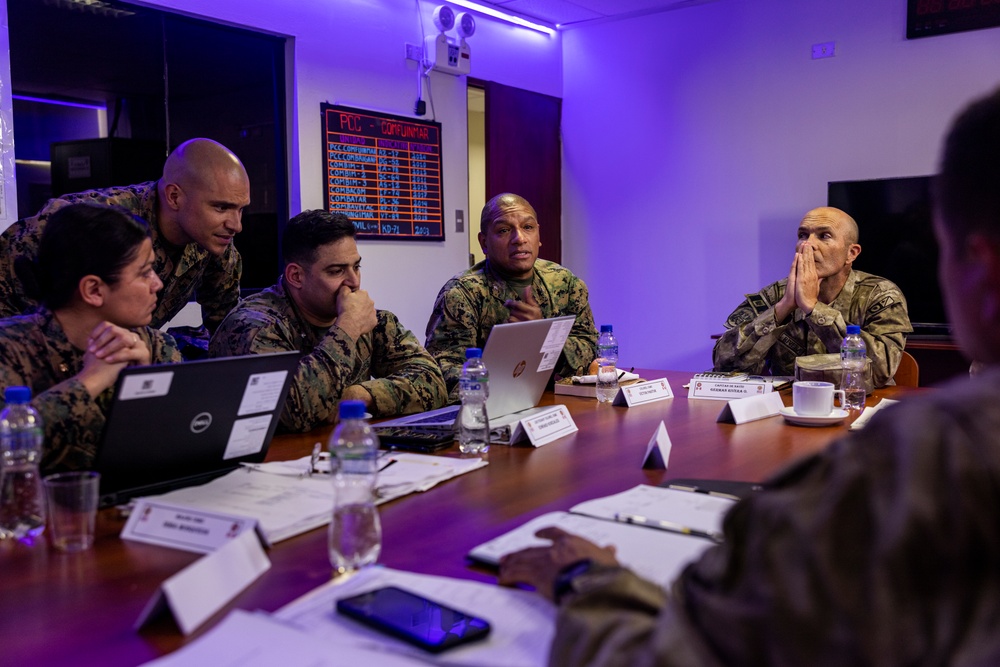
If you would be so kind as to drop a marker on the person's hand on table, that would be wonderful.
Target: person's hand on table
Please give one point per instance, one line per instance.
(539, 566)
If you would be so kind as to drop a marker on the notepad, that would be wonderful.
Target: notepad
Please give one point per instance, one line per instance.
(658, 555)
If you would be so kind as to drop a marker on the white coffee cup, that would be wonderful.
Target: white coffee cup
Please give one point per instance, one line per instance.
(814, 399)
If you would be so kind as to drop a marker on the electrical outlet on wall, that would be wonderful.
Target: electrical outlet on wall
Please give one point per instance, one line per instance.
(824, 50)
(414, 52)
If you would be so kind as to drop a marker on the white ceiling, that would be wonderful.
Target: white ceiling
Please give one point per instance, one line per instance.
(573, 13)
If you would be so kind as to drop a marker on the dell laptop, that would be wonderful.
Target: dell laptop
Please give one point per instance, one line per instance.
(175, 425)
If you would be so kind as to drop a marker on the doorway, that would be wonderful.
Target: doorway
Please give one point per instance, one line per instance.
(145, 79)
(515, 146)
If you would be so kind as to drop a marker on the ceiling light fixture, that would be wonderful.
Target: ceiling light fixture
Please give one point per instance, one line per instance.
(503, 16)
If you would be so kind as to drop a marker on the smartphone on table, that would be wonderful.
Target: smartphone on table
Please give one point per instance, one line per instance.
(430, 625)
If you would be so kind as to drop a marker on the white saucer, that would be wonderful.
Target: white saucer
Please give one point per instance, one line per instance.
(834, 417)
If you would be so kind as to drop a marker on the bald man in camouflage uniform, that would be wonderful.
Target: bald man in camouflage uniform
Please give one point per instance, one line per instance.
(510, 285)
(808, 312)
(350, 349)
(193, 211)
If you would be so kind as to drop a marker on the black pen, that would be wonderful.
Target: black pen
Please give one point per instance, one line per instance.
(696, 489)
(669, 526)
(390, 462)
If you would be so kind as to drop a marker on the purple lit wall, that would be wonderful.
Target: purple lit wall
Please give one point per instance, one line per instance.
(694, 140)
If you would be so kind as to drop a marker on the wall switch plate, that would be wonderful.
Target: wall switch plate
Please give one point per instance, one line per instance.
(459, 221)
(414, 52)
(824, 50)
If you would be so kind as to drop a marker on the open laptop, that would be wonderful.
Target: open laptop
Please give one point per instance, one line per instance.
(520, 357)
(175, 425)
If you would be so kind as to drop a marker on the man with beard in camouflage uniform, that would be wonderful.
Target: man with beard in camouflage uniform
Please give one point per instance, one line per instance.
(319, 309)
(808, 312)
(193, 211)
(510, 285)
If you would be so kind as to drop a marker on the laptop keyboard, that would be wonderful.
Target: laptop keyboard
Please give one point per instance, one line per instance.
(444, 417)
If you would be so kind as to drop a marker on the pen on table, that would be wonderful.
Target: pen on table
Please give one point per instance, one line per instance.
(696, 489)
(387, 464)
(669, 526)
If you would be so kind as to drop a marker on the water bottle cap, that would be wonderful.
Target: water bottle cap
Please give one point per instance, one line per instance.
(352, 409)
(606, 328)
(853, 329)
(16, 395)
(473, 352)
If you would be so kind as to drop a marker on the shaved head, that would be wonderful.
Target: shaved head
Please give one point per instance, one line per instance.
(501, 204)
(202, 195)
(197, 162)
(836, 216)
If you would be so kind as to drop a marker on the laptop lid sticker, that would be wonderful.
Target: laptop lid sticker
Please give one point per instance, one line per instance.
(555, 339)
(247, 437)
(146, 385)
(262, 392)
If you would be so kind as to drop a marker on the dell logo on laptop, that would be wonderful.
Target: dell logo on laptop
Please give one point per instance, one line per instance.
(201, 422)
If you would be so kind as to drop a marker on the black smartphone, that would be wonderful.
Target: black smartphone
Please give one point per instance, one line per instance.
(399, 437)
(430, 625)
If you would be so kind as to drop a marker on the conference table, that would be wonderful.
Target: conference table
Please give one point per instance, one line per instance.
(59, 608)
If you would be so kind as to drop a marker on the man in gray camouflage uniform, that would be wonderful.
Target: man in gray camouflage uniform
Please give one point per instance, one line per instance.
(193, 211)
(808, 312)
(319, 309)
(510, 285)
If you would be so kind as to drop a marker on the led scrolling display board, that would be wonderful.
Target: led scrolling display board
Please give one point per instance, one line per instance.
(384, 173)
(925, 18)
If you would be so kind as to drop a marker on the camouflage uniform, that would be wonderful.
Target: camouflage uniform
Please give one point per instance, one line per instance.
(186, 272)
(755, 343)
(472, 302)
(35, 353)
(407, 378)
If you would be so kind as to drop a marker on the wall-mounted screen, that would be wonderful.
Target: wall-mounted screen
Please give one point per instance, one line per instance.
(925, 18)
(384, 173)
(897, 241)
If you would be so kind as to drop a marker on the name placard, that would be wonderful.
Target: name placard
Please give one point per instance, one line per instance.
(544, 427)
(725, 391)
(185, 528)
(751, 408)
(641, 393)
(658, 450)
(195, 593)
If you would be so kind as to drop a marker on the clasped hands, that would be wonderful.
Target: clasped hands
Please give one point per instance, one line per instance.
(110, 348)
(802, 290)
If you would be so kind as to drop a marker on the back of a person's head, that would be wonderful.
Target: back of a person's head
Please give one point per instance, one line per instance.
(309, 230)
(967, 187)
(80, 240)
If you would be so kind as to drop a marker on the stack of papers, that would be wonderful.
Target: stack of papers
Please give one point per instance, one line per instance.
(286, 500)
(522, 623)
(310, 633)
(658, 554)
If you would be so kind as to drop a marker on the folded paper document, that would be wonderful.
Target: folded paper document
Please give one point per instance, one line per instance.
(287, 500)
(655, 531)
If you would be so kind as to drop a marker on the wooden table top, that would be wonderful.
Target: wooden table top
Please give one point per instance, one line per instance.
(80, 608)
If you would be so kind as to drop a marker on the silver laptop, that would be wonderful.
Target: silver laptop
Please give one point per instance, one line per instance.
(520, 357)
(175, 425)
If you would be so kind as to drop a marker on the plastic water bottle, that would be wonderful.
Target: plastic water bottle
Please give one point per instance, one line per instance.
(22, 505)
(853, 359)
(607, 365)
(355, 536)
(474, 389)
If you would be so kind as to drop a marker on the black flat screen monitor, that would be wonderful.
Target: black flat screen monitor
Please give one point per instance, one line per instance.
(894, 217)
